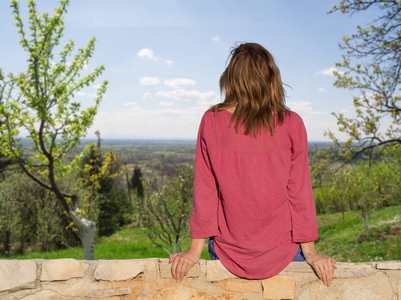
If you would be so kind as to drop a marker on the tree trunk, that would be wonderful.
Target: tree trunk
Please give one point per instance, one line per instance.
(7, 242)
(21, 248)
(365, 216)
(87, 231)
(128, 188)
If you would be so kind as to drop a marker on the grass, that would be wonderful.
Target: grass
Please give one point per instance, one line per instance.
(348, 241)
(345, 240)
(127, 243)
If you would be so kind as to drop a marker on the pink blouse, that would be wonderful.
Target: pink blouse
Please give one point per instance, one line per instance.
(265, 206)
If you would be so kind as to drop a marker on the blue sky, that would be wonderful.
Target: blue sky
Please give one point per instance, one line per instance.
(163, 58)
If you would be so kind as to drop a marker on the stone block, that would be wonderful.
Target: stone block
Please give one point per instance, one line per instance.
(136, 289)
(165, 270)
(244, 286)
(215, 271)
(231, 296)
(399, 289)
(389, 265)
(180, 292)
(17, 274)
(75, 286)
(62, 269)
(116, 270)
(346, 270)
(48, 295)
(372, 287)
(109, 293)
(151, 268)
(295, 267)
(278, 287)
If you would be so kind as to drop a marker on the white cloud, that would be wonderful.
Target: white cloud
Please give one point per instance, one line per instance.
(179, 83)
(149, 80)
(147, 53)
(304, 107)
(130, 104)
(163, 103)
(169, 62)
(147, 95)
(207, 98)
(162, 122)
(97, 86)
(216, 39)
(322, 90)
(329, 71)
(344, 111)
(89, 95)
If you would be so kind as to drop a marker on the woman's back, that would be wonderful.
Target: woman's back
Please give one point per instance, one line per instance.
(251, 220)
(252, 189)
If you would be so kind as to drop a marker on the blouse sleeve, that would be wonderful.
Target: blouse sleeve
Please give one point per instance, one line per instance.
(205, 200)
(302, 204)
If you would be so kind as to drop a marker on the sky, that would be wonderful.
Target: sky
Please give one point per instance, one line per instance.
(164, 58)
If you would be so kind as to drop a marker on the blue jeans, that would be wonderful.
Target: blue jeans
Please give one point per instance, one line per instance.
(299, 256)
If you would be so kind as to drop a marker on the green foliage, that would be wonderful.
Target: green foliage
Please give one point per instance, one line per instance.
(29, 215)
(372, 66)
(39, 101)
(101, 202)
(136, 182)
(164, 213)
(363, 185)
(347, 241)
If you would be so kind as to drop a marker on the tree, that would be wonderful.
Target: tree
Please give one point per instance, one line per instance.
(102, 201)
(39, 102)
(136, 182)
(165, 211)
(372, 66)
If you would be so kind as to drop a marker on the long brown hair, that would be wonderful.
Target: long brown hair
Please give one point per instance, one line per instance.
(252, 83)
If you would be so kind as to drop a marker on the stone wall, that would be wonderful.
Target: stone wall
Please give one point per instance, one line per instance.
(151, 279)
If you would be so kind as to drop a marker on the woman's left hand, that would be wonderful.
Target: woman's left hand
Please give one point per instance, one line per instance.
(323, 266)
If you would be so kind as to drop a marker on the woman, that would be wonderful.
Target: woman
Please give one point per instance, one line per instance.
(252, 190)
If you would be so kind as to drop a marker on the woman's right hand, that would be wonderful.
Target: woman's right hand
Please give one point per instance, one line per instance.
(181, 264)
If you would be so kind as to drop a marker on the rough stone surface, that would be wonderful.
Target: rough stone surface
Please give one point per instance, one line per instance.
(295, 267)
(151, 279)
(109, 293)
(389, 265)
(48, 295)
(278, 287)
(244, 286)
(75, 286)
(179, 293)
(215, 271)
(373, 287)
(114, 270)
(62, 269)
(17, 274)
(346, 270)
(165, 270)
